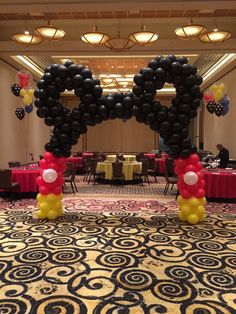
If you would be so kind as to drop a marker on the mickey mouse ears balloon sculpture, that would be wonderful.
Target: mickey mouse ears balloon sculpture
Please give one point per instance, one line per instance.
(93, 107)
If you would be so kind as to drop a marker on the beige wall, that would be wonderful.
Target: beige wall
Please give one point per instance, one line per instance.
(222, 130)
(18, 138)
(118, 136)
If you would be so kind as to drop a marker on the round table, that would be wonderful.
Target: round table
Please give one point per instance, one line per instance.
(112, 158)
(220, 184)
(76, 162)
(26, 178)
(150, 155)
(160, 165)
(128, 169)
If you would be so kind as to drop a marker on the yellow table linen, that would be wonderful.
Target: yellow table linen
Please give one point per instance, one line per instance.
(112, 158)
(128, 169)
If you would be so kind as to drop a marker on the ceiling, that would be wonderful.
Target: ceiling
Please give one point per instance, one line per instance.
(111, 16)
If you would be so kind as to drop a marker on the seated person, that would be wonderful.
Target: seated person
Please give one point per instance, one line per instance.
(223, 156)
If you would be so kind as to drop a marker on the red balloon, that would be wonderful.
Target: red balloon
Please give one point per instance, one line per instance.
(190, 168)
(178, 170)
(60, 181)
(200, 193)
(43, 164)
(201, 183)
(53, 165)
(180, 162)
(39, 181)
(193, 188)
(43, 190)
(185, 193)
(57, 190)
(198, 166)
(193, 159)
(200, 176)
(49, 157)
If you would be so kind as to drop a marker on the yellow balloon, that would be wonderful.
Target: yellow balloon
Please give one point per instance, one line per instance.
(27, 100)
(43, 206)
(31, 92)
(213, 87)
(200, 210)
(52, 198)
(218, 94)
(221, 86)
(57, 205)
(181, 200)
(22, 92)
(202, 217)
(60, 212)
(60, 197)
(186, 210)
(193, 219)
(41, 214)
(193, 202)
(202, 201)
(39, 197)
(52, 214)
(182, 217)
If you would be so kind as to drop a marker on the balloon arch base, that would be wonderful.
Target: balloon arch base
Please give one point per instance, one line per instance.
(191, 199)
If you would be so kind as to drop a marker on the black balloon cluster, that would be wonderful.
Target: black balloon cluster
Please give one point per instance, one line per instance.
(171, 122)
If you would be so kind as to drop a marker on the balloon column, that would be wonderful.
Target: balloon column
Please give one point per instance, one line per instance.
(191, 187)
(172, 122)
(50, 184)
(216, 100)
(23, 90)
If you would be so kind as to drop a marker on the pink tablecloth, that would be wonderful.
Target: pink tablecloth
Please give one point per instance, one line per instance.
(76, 162)
(160, 165)
(220, 184)
(86, 154)
(149, 155)
(26, 179)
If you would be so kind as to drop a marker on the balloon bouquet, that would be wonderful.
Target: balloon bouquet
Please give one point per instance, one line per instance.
(22, 89)
(216, 100)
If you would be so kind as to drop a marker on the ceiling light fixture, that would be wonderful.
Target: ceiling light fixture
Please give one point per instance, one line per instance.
(216, 36)
(50, 32)
(144, 37)
(119, 44)
(190, 31)
(26, 38)
(95, 38)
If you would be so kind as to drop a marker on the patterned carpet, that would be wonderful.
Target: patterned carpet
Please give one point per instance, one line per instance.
(116, 263)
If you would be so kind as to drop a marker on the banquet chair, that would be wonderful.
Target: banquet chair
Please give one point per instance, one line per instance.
(6, 182)
(68, 171)
(86, 168)
(143, 173)
(13, 164)
(93, 172)
(170, 176)
(152, 170)
(71, 179)
(117, 171)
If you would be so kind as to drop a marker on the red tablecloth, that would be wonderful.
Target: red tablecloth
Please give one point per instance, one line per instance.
(76, 162)
(220, 184)
(150, 155)
(26, 178)
(160, 165)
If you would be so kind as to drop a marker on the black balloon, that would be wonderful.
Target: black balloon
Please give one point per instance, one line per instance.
(20, 113)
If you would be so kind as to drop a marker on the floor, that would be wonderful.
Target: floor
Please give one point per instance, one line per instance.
(117, 254)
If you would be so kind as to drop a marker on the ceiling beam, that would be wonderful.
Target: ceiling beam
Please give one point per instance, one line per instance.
(77, 48)
(91, 6)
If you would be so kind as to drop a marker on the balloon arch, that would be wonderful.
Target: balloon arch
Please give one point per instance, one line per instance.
(172, 123)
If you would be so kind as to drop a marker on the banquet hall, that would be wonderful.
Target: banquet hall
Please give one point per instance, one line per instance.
(118, 157)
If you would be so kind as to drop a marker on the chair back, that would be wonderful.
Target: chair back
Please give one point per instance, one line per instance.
(145, 167)
(13, 164)
(117, 169)
(93, 166)
(5, 179)
(151, 164)
(68, 170)
(73, 174)
(169, 168)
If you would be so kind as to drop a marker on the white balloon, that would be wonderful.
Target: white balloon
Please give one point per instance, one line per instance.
(49, 175)
(190, 178)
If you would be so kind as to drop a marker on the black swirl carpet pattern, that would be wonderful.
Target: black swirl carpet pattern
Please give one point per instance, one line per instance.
(116, 263)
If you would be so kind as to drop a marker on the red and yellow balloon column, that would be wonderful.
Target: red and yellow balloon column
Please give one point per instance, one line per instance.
(50, 184)
(191, 188)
